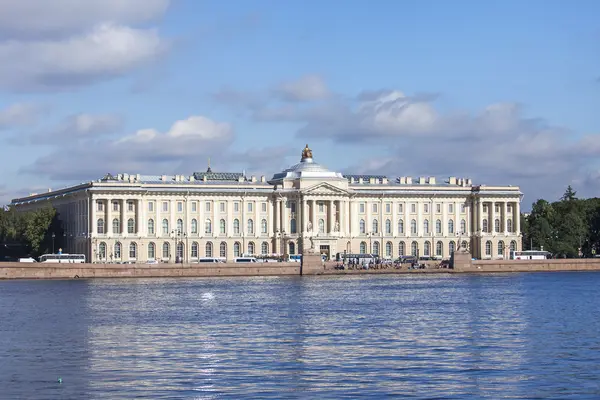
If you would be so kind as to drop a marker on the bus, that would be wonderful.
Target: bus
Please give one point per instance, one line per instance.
(298, 258)
(530, 255)
(63, 258)
(355, 258)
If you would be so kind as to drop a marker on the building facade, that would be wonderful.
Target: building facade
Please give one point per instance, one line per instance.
(134, 218)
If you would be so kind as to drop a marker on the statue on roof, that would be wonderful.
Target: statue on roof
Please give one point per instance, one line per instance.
(306, 153)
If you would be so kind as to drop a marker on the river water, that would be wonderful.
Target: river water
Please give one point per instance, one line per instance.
(447, 337)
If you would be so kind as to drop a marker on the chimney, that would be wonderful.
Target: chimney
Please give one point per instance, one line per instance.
(163, 178)
(191, 178)
(241, 179)
(263, 179)
(138, 177)
(372, 181)
(452, 180)
(360, 180)
(409, 180)
(432, 180)
(385, 181)
(253, 179)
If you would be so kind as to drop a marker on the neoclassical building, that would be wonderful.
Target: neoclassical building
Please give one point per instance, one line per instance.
(136, 218)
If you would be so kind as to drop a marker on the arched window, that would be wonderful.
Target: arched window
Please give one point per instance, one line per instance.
(251, 248)
(236, 226)
(388, 227)
(401, 226)
(130, 225)
(426, 227)
(450, 226)
(484, 225)
(321, 226)
(180, 250)
(263, 226)
(513, 245)
(150, 227)
(194, 226)
(194, 250)
(401, 248)
(389, 249)
(151, 251)
(223, 250)
(509, 225)
(362, 228)
(208, 249)
(363, 248)
(413, 227)
(222, 226)
(292, 247)
(488, 248)
(465, 245)
(451, 247)
(438, 226)
(497, 225)
(427, 249)
(165, 250)
(463, 226)
(376, 248)
(439, 249)
(180, 225)
(102, 251)
(250, 227)
(132, 251)
(293, 225)
(118, 250)
(207, 226)
(501, 248)
(375, 226)
(264, 248)
(116, 226)
(100, 224)
(236, 249)
(165, 226)
(414, 249)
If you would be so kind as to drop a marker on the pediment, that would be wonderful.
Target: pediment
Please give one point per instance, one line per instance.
(324, 188)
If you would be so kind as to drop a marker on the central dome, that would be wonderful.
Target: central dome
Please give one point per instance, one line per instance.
(306, 168)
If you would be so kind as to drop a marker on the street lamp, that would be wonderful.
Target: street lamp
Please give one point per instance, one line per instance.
(53, 236)
(177, 236)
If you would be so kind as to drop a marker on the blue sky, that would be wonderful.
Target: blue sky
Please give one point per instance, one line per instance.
(502, 92)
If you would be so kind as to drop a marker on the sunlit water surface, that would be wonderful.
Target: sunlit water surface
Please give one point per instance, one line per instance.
(483, 336)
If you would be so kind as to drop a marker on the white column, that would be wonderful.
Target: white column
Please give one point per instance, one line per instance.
(347, 219)
(109, 218)
(457, 218)
(444, 219)
(158, 224)
(94, 216)
(278, 216)
(394, 220)
(493, 218)
(123, 221)
(313, 217)
(368, 219)
(517, 221)
(331, 216)
(139, 214)
(216, 210)
(480, 216)
(285, 226)
(504, 217)
(271, 216)
(172, 221)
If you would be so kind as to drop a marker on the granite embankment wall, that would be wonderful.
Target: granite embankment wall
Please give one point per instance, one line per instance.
(575, 264)
(82, 271)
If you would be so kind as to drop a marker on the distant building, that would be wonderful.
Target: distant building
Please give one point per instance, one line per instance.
(136, 218)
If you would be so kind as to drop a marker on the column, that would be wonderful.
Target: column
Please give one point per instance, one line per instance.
(201, 207)
(504, 217)
(517, 221)
(457, 219)
(301, 221)
(278, 217)
(216, 223)
(109, 218)
(331, 216)
(347, 218)
(139, 213)
(479, 226)
(122, 206)
(313, 217)
(270, 217)
(493, 217)
(285, 219)
(158, 223)
(445, 219)
(94, 216)
(172, 220)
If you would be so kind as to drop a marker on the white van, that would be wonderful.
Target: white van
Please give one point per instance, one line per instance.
(27, 260)
(209, 260)
(244, 260)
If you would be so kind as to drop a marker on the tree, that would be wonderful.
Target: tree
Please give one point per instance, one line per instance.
(30, 229)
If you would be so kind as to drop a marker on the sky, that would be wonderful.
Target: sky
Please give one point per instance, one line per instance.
(502, 92)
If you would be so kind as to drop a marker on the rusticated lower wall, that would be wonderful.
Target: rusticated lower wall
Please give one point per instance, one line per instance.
(70, 271)
(568, 264)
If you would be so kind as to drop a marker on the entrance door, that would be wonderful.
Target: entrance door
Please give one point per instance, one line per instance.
(324, 249)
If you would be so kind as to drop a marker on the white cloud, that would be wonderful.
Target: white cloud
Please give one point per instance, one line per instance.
(75, 127)
(307, 88)
(19, 114)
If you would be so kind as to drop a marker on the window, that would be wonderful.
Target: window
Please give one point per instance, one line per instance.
(388, 208)
(463, 208)
(132, 250)
(130, 206)
(488, 248)
(362, 227)
(509, 225)
(99, 205)
(263, 207)
(321, 206)
(293, 228)
(180, 226)
(222, 226)
(150, 227)
(264, 248)
(150, 207)
(179, 251)
(165, 206)
(118, 250)
(223, 250)
(438, 226)
(361, 208)
(497, 209)
(376, 248)
(251, 248)
(485, 208)
(375, 226)
(292, 248)
(451, 247)
(100, 224)
(194, 226)
(463, 226)
(263, 226)
(194, 206)
(207, 206)
(208, 249)
(374, 207)
(165, 250)
(388, 227)
(116, 226)
(208, 225)
(450, 208)
(236, 207)
(292, 207)
(438, 208)
(250, 226)
(151, 251)
(425, 208)
(236, 249)
(426, 227)
(389, 249)
(401, 247)
(413, 208)
(222, 207)
(414, 249)
(400, 208)
(194, 253)
(484, 225)
(102, 251)
(115, 206)
(401, 226)
(497, 225)
(236, 226)
(427, 249)
(501, 248)
(413, 227)
(179, 206)
(513, 246)
(250, 207)
(363, 248)
(439, 248)
(451, 226)
(130, 225)
(321, 225)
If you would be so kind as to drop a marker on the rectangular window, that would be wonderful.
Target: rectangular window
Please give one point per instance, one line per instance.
(321, 207)
(207, 207)
(509, 209)
(293, 207)
(426, 208)
(497, 209)
(374, 207)
(400, 208)
(413, 208)
(438, 208)
(236, 207)
(450, 208)
(194, 206)
(249, 207)
(115, 206)
(179, 206)
(130, 206)
(151, 206)
(463, 208)
(388, 208)
(222, 206)
(165, 206)
(264, 207)
(100, 206)
(361, 208)
(484, 208)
